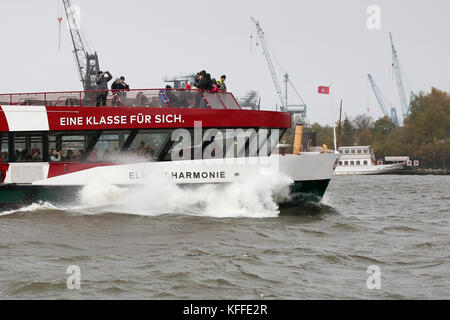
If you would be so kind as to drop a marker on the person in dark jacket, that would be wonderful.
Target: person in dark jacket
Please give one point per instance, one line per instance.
(115, 87)
(198, 78)
(205, 82)
(119, 86)
(102, 84)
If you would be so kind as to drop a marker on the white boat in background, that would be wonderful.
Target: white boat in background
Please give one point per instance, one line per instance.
(360, 160)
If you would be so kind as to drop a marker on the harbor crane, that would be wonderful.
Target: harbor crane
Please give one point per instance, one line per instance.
(301, 109)
(382, 102)
(406, 107)
(87, 63)
(266, 52)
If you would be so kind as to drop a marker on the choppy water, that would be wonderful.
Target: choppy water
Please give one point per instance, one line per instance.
(235, 246)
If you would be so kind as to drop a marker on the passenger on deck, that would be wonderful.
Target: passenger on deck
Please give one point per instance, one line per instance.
(171, 96)
(70, 156)
(205, 82)
(142, 148)
(115, 87)
(36, 155)
(55, 156)
(94, 155)
(79, 155)
(122, 87)
(102, 84)
(199, 77)
(221, 84)
(214, 86)
(149, 153)
(106, 155)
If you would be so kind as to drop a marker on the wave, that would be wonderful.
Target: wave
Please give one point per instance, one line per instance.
(252, 198)
(35, 207)
(255, 197)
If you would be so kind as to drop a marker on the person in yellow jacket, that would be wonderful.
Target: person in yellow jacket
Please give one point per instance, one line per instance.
(221, 84)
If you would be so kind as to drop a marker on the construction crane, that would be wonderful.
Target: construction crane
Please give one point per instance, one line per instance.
(87, 63)
(399, 78)
(266, 52)
(382, 103)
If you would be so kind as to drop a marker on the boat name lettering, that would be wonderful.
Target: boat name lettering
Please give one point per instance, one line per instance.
(198, 175)
(139, 118)
(183, 175)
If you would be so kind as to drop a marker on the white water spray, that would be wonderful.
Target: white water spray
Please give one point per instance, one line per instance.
(253, 198)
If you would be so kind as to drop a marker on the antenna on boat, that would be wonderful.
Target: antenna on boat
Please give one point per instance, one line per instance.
(60, 19)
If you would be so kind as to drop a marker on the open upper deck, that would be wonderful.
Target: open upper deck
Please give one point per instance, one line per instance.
(130, 109)
(156, 98)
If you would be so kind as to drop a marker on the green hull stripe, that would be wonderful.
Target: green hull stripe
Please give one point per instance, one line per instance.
(20, 195)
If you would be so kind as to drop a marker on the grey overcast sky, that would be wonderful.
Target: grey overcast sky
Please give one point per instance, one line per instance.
(317, 42)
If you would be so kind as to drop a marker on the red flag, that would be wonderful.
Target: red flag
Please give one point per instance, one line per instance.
(324, 90)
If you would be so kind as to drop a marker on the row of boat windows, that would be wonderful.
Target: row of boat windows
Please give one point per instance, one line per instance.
(72, 147)
(354, 151)
(100, 146)
(353, 163)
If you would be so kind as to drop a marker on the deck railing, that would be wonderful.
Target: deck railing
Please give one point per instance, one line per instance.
(158, 98)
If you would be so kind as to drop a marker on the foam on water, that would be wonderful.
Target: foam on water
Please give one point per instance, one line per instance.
(253, 198)
(35, 207)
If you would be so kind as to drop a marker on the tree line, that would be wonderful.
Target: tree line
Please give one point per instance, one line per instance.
(424, 135)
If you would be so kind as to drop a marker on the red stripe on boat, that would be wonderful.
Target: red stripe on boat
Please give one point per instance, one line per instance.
(3, 169)
(111, 118)
(4, 127)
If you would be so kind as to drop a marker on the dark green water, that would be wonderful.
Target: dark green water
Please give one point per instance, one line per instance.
(398, 223)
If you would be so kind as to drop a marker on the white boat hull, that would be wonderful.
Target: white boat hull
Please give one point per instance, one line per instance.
(366, 170)
(308, 173)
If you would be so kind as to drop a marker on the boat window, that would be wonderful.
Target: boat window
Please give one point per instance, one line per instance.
(346, 163)
(148, 144)
(108, 146)
(347, 151)
(27, 147)
(213, 100)
(4, 148)
(353, 151)
(225, 144)
(359, 151)
(229, 101)
(352, 163)
(358, 163)
(366, 151)
(365, 163)
(67, 146)
(340, 151)
(340, 163)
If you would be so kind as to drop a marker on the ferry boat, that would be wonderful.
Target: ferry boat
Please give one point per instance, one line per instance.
(55, 143)
(360, 160)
